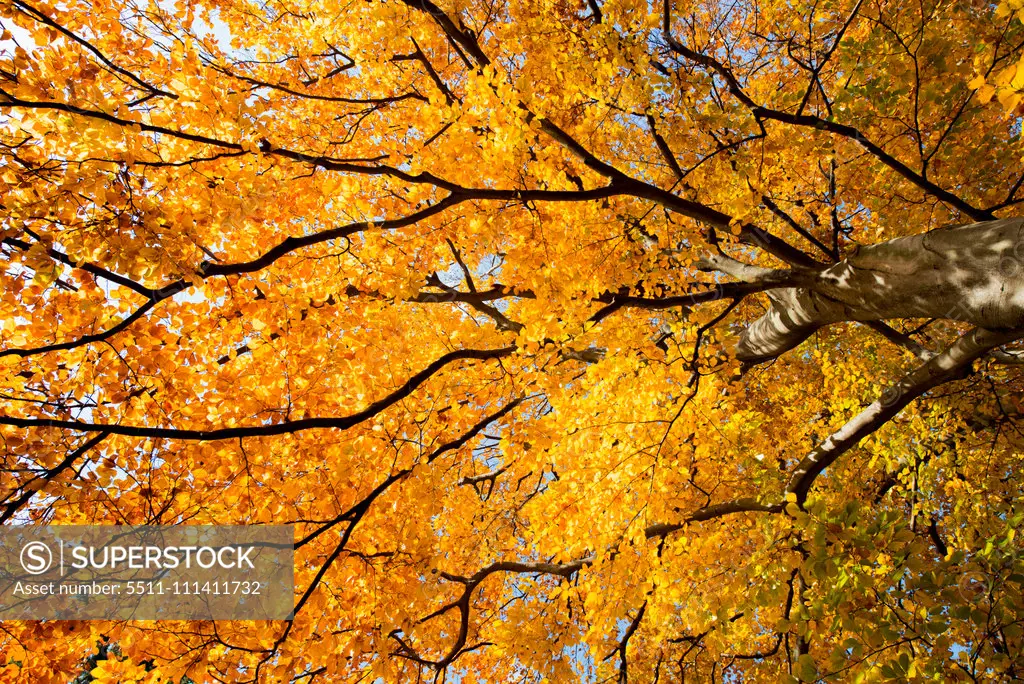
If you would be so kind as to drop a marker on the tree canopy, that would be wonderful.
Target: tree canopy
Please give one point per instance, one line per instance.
(581, 341)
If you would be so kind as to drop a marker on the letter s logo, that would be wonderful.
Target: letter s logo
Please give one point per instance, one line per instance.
(36, 558)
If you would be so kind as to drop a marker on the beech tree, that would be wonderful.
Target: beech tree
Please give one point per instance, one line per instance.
(614, 340)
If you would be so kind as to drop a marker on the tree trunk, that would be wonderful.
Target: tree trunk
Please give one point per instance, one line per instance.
(972, 273)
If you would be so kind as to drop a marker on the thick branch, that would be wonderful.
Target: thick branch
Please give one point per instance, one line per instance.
(284, 427)
(951, 364)
(967, 273)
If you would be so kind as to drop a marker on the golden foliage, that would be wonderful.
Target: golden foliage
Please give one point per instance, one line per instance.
(422, 279)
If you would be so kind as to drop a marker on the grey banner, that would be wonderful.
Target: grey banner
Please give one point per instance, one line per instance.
(107, 572)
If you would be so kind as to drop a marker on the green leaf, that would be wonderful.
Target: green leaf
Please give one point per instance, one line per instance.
(807, 668)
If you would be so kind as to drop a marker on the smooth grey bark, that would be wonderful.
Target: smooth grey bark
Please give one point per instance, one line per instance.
(972, 273)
